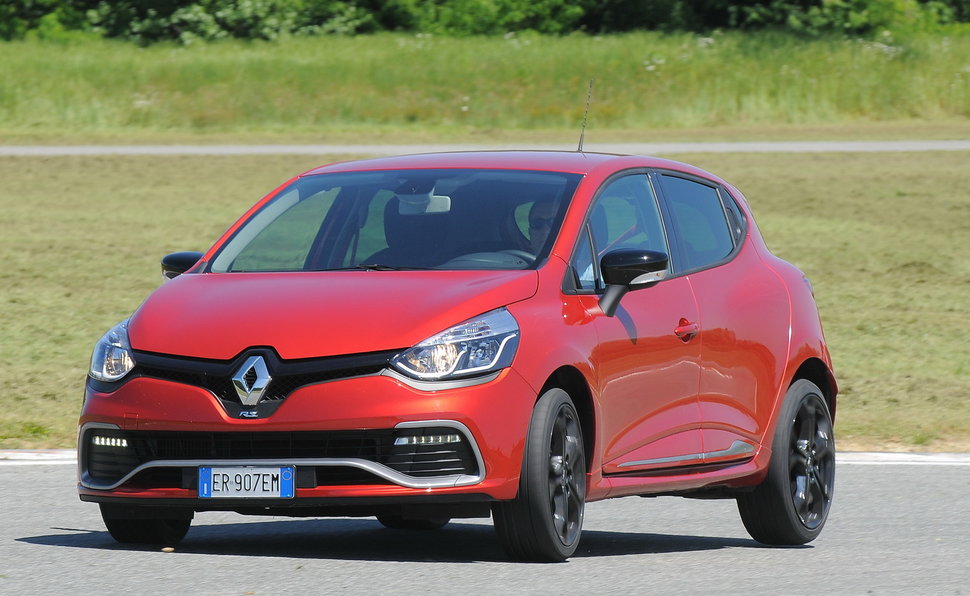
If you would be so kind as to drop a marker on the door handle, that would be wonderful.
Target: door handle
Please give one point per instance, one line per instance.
(686, 330)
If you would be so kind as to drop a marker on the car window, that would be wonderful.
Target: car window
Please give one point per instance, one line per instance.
(372, 238)
(735, 219)
(283, 246)
(624, 216)
(699, 219)
(448, 219)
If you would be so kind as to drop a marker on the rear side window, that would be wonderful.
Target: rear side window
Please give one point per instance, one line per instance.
(700, 220)
(735, 219)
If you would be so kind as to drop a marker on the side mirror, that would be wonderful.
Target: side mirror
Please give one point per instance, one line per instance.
(178, 263)
(629, 269)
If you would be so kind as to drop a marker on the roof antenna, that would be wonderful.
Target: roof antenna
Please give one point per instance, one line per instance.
(582, 133)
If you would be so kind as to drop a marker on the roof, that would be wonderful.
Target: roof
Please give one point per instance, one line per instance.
(556, 161)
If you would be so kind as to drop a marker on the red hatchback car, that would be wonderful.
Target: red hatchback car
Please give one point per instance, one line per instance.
(440, 336)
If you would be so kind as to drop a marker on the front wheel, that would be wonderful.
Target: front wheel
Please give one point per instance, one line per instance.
(162, 527)
(544, 521)
(792, 503)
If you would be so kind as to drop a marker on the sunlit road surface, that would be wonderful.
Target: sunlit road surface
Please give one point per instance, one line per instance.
(899, 525)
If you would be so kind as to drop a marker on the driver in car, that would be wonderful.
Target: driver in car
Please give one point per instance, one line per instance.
(541, 217)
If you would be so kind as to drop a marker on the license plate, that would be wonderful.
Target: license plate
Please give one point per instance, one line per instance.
(234, 482)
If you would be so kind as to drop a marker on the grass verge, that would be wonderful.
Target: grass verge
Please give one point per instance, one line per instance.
(422, 85)
(882, 236)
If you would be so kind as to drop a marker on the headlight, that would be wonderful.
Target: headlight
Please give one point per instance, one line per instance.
(112, 359)
(480, 345)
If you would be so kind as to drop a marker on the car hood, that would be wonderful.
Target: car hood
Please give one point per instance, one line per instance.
(316, 314)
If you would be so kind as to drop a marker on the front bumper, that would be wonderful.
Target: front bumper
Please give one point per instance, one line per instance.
(369, 437)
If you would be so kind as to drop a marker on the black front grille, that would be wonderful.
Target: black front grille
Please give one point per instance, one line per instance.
(109, 461)
(287, 375)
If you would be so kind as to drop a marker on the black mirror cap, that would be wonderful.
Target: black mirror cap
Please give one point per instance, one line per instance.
(178, 263)
(623, 267)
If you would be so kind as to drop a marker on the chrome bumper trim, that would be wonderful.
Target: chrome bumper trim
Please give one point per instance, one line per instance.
(737, 448)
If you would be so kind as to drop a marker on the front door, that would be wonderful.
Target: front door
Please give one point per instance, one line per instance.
(647, 357)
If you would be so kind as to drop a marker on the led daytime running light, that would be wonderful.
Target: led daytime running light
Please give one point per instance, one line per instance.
(428, 439)
(109, 441)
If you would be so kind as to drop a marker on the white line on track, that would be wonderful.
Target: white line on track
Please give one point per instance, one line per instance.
(33, 457)
(858, 458)
(370, 149)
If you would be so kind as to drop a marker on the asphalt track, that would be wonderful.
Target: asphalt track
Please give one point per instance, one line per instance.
(899, 525)
(367, 149)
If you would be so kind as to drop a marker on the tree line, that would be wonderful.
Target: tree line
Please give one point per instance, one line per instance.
(150, 21)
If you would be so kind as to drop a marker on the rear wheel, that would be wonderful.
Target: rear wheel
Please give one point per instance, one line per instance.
(791, 505)
(544, 522)
(166, 527)
(396, 522)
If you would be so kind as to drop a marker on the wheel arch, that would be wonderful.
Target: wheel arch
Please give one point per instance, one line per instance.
(815, 370)
(572, 381)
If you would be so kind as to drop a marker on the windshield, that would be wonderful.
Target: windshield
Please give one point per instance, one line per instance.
(404, 219)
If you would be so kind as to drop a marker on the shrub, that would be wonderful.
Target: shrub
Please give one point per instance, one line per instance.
(148, 21)
(843, 16)
(17, 17)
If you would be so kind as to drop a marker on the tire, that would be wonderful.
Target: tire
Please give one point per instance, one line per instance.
(792, 503)
(544, 522)
(396, 522)
(127, 529)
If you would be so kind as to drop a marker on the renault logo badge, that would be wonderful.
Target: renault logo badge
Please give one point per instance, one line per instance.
(251, 380)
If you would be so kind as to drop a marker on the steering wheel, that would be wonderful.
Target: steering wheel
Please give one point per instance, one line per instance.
(528, 257)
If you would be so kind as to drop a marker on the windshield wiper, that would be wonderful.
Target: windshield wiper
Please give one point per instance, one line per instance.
(376, 267)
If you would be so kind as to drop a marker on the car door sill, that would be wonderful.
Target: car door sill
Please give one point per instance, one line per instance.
(739, 452)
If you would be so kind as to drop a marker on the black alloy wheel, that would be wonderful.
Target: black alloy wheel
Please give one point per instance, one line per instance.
(544, 522)
(791, 505)
(811, 460)
(567, 485)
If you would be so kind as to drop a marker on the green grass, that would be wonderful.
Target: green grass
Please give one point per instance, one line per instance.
(882, 236)
(402, 85)
(80, 249)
